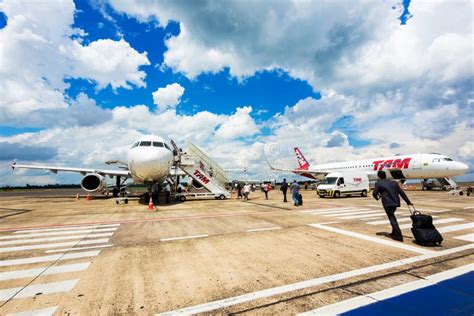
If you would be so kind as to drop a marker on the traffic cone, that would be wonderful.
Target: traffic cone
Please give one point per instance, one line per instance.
(77, 196)
(88, 197)
(150, 204)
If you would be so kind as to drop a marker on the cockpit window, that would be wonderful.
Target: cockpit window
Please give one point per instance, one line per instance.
(166, 145)
(146, 144)
(158, 144)
(448, 159)
(135, 144)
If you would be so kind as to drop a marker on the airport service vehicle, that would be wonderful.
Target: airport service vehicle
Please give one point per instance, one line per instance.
(339, 184)
(434, 184)
(399, 167)
(151, 161)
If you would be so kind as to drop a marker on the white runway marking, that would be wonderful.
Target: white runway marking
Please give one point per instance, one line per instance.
(185, 237)
(326, 209)
(386, 221)
(439, 221)
(31, 273)
(46, 239)
(62, 228)
(32, 290)
(454, 228)
(67, 232)
(262, 229)
(353, 213)
(468, 237)
(210, 306)
(37, 312)
(79, 248)
(61, 256)
(364, 300)
(55, 245)
(340, 211)
(395, 244)
(362, 216)
(468, 208)
(356, 211)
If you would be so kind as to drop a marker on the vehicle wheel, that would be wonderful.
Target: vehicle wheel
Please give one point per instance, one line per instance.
(126, 201)
(320, 196)
(115, 192)
(423, 188)
(116, 202)
(444, 189)
(182, 198)
(337, 194)
(222, 197)
(461, 193)
(364, 193)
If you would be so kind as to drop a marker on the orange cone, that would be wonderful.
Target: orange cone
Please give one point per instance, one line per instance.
(88, 197)
(150, 204)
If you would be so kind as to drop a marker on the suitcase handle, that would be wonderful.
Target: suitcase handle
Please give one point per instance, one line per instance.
(415, 212)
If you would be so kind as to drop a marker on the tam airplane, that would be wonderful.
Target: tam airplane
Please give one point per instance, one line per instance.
(149, 161)
(416, 166)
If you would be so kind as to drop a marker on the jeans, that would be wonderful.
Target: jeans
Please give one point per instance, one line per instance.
(294, 196)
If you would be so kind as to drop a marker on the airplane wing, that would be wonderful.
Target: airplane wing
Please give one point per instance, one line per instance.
(300, 172)
(83, 171)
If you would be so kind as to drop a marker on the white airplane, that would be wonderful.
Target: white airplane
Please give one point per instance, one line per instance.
(416, 166)
(149, 161)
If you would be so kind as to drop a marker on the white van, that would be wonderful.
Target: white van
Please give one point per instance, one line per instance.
(344, 183)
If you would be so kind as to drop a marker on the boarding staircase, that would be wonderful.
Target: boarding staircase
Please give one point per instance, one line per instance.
(448, 182)
(202, 169)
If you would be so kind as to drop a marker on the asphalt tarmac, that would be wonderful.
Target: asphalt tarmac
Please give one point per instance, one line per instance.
(59, 255)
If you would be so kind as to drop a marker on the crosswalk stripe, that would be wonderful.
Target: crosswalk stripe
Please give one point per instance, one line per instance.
(37, 312)
(362, 216)
(32, 290)
(454, 228)
(55, 245)
(354, 213)
(385, 221)
(326, 209)
(439, 221)
(60, 256)
(341, 211)
(468, 237)
(67, 232)
(38, 240)
(79, 248)
(39, 230)
(30, 273)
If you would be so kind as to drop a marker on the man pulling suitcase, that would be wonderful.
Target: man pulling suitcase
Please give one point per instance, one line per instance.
(390, 193)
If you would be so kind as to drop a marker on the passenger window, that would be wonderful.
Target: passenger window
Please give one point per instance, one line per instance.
(145, 144)
(157, 144)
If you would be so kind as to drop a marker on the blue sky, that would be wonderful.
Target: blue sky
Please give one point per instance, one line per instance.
(82, 79)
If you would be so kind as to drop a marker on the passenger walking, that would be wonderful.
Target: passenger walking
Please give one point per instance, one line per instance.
(265, 189)
(247, 189)
(295, 192)
(239, 190)
(390, 191)
(284, 189)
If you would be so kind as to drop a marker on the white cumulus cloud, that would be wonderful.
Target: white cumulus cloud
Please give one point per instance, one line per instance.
(168, 97)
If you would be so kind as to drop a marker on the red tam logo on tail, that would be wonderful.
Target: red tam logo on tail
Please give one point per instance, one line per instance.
(304, 164)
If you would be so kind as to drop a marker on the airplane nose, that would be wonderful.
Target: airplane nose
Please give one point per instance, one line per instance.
(463, 167)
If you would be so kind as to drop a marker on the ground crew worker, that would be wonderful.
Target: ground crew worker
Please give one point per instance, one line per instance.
(167, 192)
(265, 190)
(247, 188)
(390, 191)
(284, 189)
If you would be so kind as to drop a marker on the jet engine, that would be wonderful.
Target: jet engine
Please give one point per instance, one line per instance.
(93, 182)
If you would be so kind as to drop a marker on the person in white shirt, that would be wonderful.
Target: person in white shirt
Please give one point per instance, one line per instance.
(247, 188)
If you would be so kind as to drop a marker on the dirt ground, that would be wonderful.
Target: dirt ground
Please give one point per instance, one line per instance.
(96, 257)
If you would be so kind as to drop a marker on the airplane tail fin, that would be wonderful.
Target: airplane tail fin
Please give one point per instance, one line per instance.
(304, 164)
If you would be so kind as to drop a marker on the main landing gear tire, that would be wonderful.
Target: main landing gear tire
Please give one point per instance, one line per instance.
(337, 194)
(364, 193)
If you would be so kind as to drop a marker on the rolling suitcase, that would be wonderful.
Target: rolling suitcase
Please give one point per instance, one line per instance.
(300, 199)
(423, 229)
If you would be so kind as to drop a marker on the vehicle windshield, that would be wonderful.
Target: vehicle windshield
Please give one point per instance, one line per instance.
(330, 180)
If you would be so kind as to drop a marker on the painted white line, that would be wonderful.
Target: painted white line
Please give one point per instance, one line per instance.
(55, 245)
(454, 228)
(440, 211)
(386, 221)
(468, 208)
(210, 306)
(184, 237)
(37, 312)
(67, 232)
(32, 290)
(326, 209)
(61, 228)
(395, 244)
(364, 300)
(362, 216)
(46, 239)
(60, 256)
(79, 248)
(345, 211)
(262, 229)
(439, 221)
(468, 237)
(354, 213)
(31, 273)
